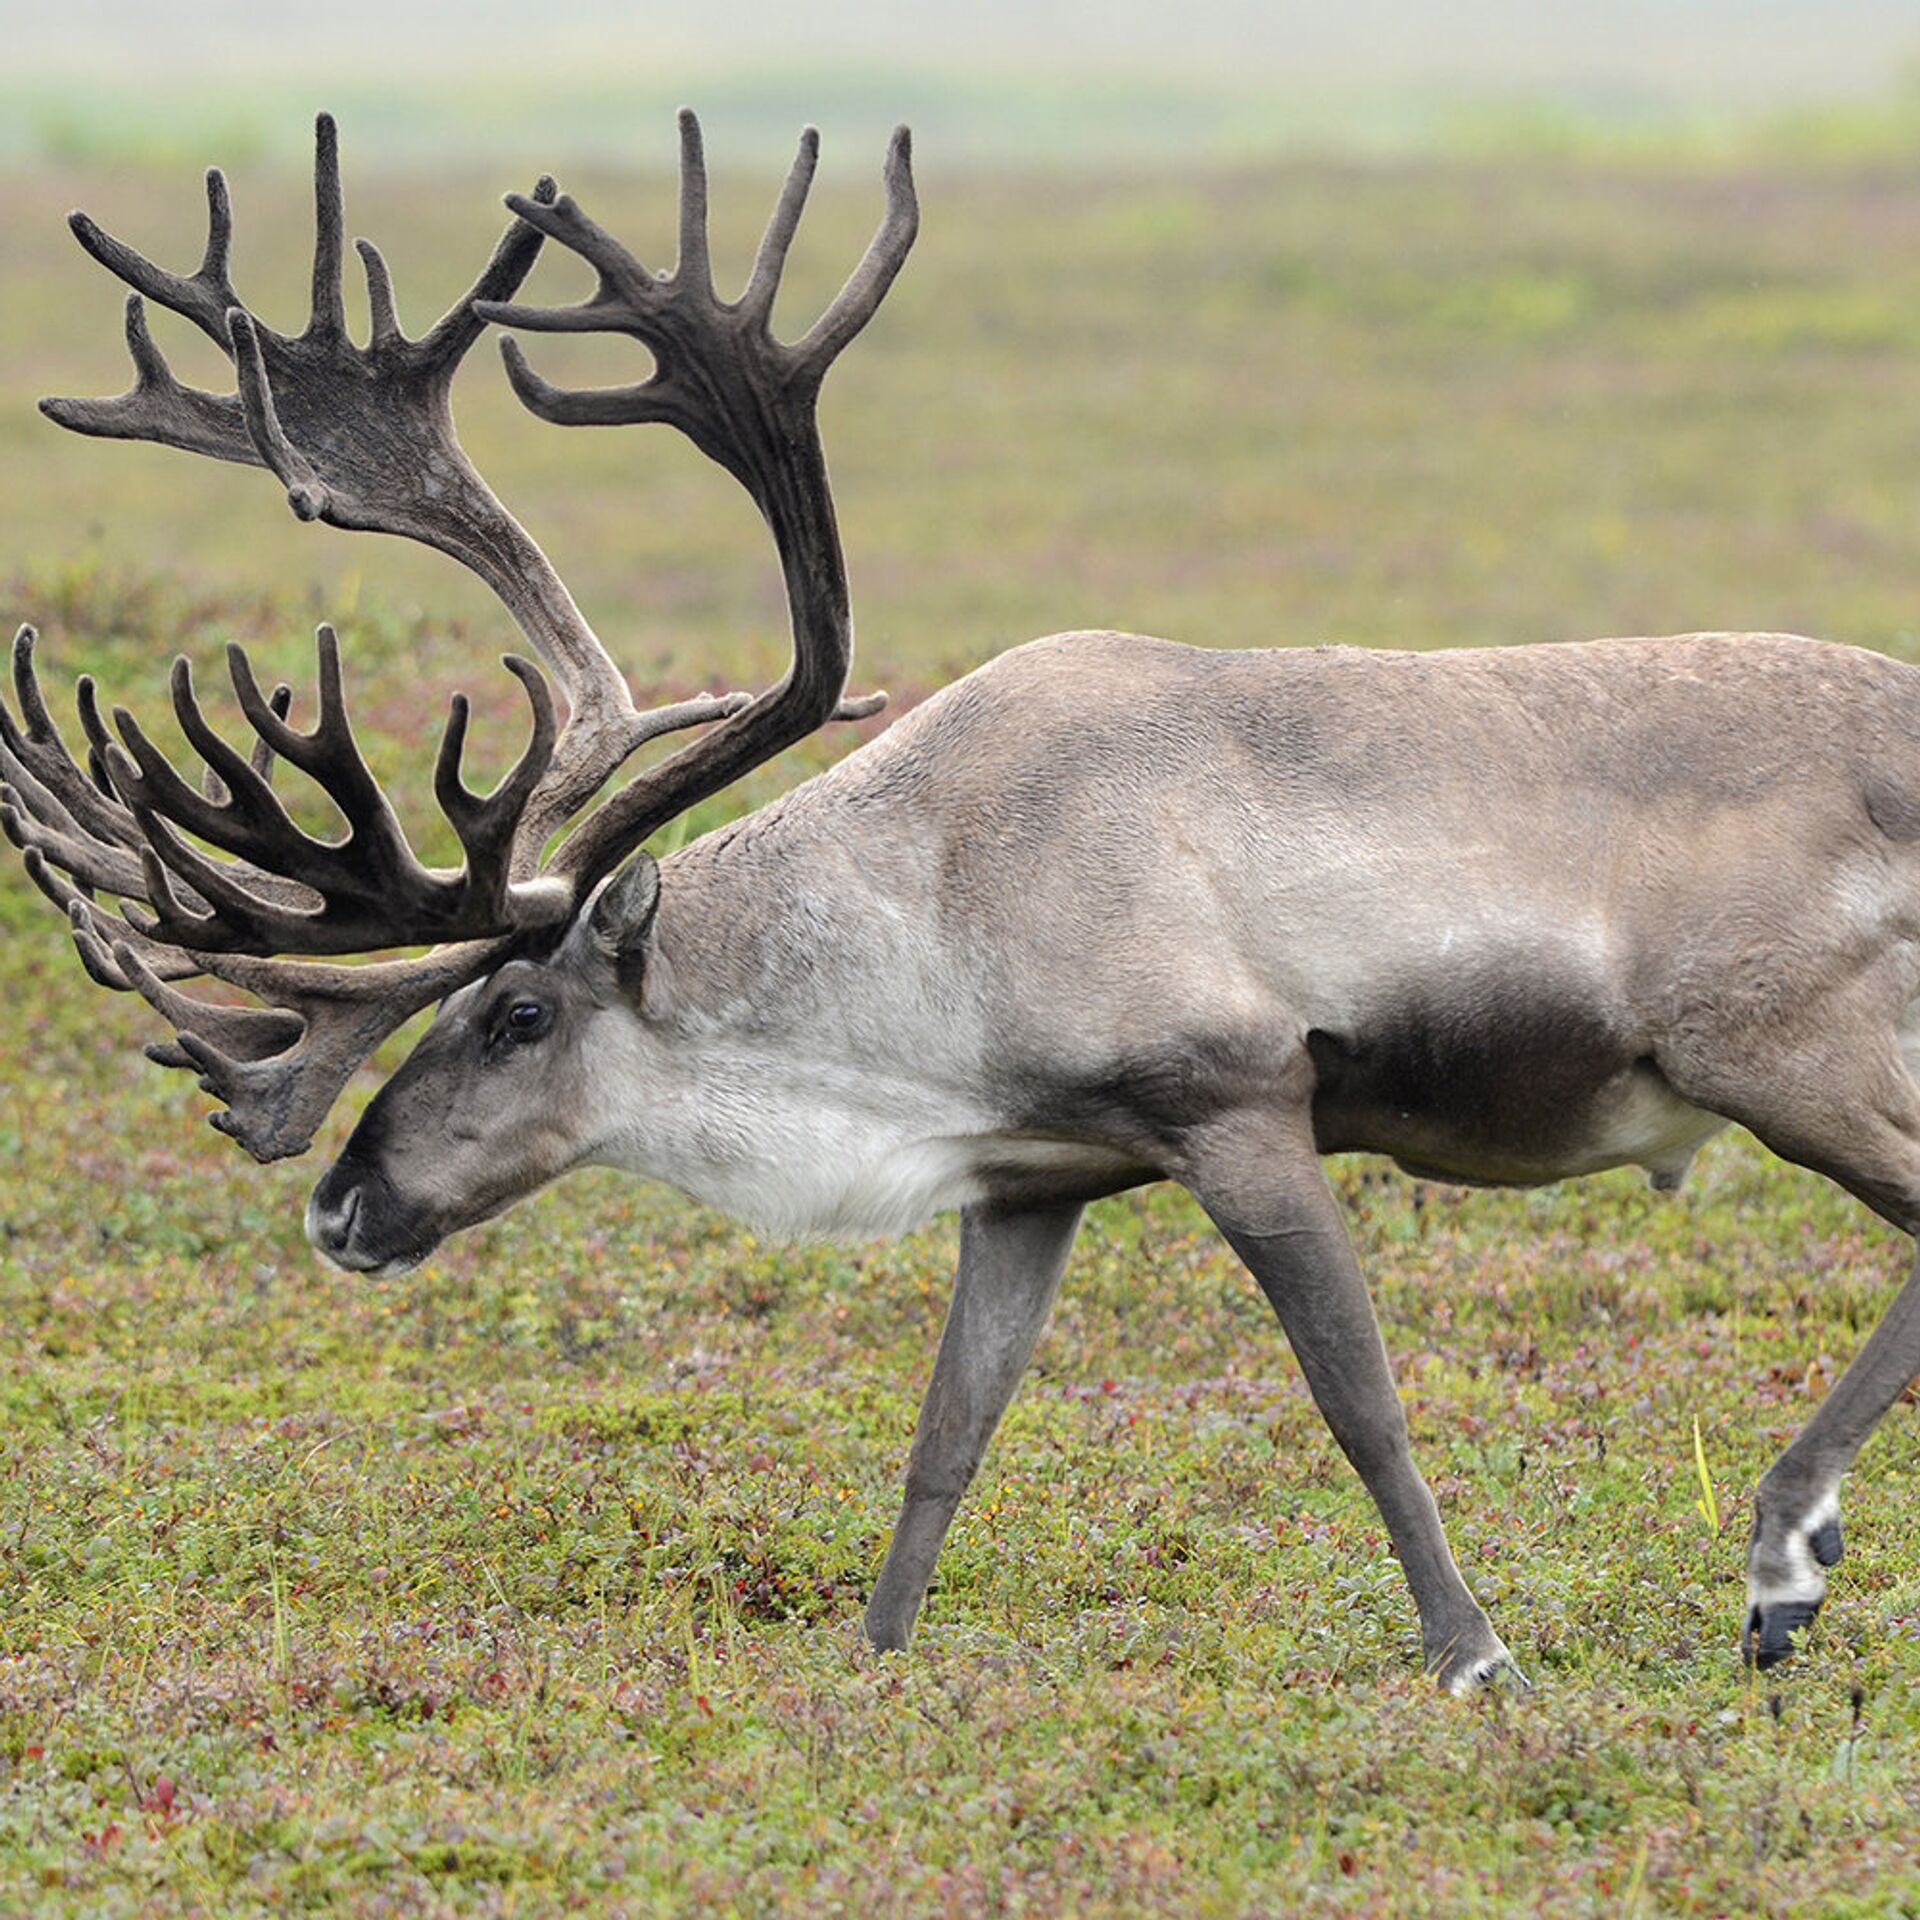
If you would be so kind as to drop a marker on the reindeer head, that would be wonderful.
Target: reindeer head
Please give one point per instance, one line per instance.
(520, 1078)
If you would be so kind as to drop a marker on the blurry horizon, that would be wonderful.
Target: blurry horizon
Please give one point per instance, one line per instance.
(1708, 51)
(999, 81)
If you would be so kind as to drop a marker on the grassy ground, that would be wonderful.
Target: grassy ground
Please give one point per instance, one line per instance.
(529, 1582)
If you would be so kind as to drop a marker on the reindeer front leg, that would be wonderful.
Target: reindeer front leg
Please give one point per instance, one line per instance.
(1259, 1178)
(1010, 1266)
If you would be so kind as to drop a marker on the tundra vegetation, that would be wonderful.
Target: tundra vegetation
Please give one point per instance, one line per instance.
(532, 1580)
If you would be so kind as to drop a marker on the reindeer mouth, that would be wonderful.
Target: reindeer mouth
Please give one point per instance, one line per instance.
(392, 1269)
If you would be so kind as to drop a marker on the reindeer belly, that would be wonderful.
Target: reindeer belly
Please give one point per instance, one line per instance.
(1514, 1098)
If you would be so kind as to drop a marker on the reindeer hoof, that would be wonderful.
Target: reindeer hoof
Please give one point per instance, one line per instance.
(1770, 1629)
(1787, 1566)
(1501, 1675)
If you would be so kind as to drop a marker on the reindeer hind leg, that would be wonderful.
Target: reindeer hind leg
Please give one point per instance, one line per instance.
(1845, 1105)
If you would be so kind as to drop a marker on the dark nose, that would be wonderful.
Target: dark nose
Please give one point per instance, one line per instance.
(330, 1221)
(346, 1212)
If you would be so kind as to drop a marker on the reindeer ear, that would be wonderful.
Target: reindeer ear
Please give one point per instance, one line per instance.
(622, 913)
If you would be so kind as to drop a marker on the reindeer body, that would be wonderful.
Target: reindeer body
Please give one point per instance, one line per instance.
(1487, 906)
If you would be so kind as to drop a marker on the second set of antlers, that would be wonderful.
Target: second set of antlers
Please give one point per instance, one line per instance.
(215, 877)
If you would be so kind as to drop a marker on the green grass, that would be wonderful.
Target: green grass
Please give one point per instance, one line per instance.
(530, 1582)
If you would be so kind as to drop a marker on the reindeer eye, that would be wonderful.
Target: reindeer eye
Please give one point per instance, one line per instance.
(526, 1020)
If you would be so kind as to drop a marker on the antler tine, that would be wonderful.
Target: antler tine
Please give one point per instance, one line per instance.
(330, 754)
(261, 758)
(488, 823)
(168, 963)
(267, 718)
(235, 783)
(244, 1033)
(645, 403)
(855, 304)
(158, 406)
(203, 296)
(307, 494)
(213, 262)
(782, 224)
(461, 325)
(279, 704)
(26, 689)
(694, 266)
(624, 281)
(384, 331)
(37, 750)
(86, 702)
(329, 316)
(37, 824)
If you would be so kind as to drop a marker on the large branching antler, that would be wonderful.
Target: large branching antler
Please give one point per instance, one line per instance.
(363, 437)
(218, 879)
(748, 402)
(120, 826)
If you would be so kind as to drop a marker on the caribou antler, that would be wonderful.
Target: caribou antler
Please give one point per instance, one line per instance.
(363, 438)
(121, 828)
(746, 401)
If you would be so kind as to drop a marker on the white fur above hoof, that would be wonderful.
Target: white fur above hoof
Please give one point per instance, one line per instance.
(1464, 1673)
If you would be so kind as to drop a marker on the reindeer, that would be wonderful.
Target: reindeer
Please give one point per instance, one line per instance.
(1106, 911)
